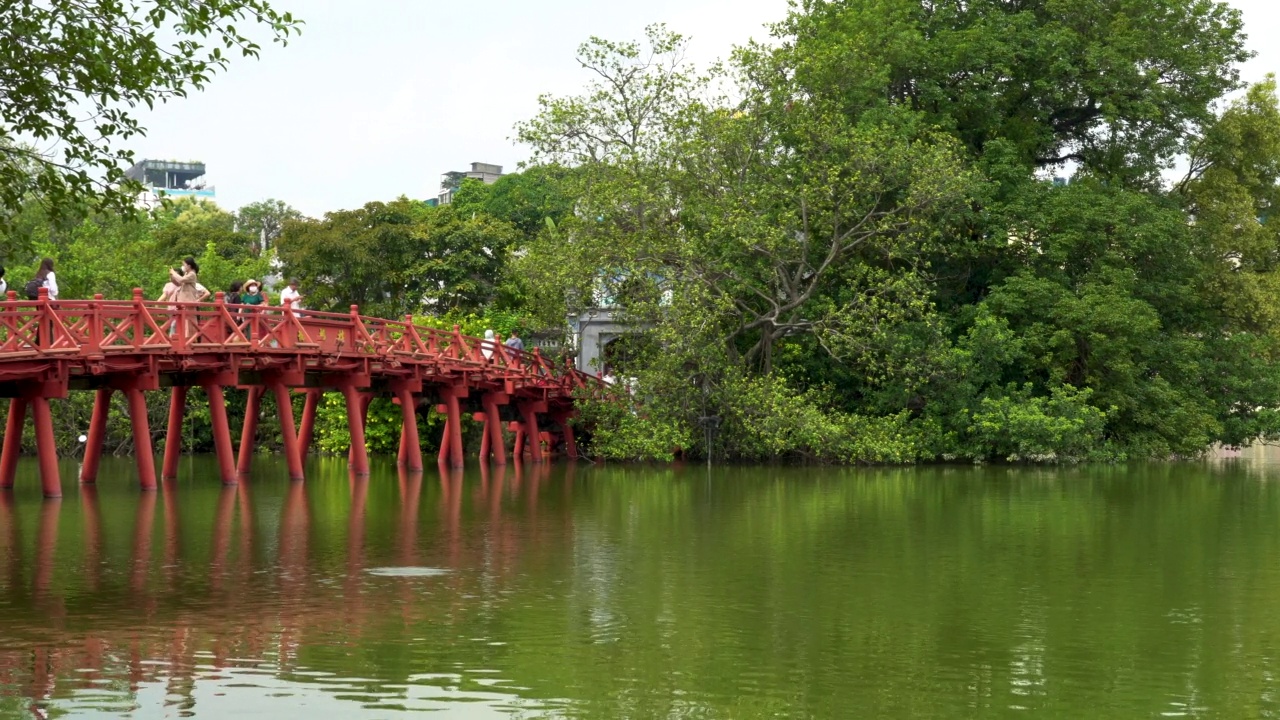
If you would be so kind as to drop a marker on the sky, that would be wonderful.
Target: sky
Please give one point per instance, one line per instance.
(377, 99)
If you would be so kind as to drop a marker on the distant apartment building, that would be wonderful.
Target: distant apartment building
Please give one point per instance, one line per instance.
(169, 178)
(451, 181)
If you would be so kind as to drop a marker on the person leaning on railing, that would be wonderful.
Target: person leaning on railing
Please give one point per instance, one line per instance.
(253, 297)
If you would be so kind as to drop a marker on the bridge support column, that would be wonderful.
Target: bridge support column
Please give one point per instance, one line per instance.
(442, 457)
(284, 403)
(173, 440)
(517, 450)
(493, 427)
(529, 413)
(307, 431)
(410, 447)
(221, 434)
(142, 451)
(97, 435)
(566, 430)
(249, 431)
(366, 399)
(355, 418)
(46, 448)
(486, 439)
(453, 425)
(12, 441)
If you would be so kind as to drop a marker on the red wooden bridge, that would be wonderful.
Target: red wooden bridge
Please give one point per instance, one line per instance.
(49, 348)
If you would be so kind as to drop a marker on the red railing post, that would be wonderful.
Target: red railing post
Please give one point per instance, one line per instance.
(139, 319)
(93, 342)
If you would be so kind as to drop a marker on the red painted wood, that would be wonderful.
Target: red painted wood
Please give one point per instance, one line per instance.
(410, 447)
(355, 418)
(291, 455)
(221, 434)
(173, 439)
(97, 434)
(249, 430)
(12, 441)
(46, 448)
(307, 431)
(142, 451)
(135, 345)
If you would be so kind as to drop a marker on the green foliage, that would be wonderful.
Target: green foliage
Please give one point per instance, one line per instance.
(398, 258)
(1020, 426)
(74, 82)
(820, 255)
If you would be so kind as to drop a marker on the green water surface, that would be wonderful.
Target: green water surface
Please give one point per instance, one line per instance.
(594, 592)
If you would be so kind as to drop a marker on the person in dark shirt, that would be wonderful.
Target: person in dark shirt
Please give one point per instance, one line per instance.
(514, 342)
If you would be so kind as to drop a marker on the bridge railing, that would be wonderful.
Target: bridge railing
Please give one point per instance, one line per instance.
(101, 327)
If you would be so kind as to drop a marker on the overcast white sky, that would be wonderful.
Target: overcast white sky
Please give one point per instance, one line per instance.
(377, 98)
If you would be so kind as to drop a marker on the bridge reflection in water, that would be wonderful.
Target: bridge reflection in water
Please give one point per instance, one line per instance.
(282, 587)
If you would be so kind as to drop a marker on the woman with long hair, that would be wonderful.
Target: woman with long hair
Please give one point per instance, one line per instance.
(47, 279)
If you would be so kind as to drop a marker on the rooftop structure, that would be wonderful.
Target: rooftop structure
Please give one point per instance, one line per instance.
(486, 173)
(170, 178)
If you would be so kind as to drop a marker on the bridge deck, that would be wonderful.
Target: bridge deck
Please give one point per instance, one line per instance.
(48, 349)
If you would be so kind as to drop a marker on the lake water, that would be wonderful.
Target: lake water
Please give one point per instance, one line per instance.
(606, 592)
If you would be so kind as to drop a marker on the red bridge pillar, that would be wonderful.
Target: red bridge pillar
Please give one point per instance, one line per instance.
(173, 440)
(566, 431)
(46, 448)
(451, 442)
(221, 433)
(97, 434)
(284, 403)
(142, 439)
(529, 412)
(12, 441)
(307, 431)
(355, 418)
(410, 446)
(493, 427)
(249, 431)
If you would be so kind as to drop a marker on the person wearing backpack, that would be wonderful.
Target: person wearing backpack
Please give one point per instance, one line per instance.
(44, 279)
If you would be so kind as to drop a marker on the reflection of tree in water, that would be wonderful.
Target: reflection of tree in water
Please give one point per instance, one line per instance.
(656, 593)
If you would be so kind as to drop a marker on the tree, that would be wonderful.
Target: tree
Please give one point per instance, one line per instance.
(72, 72)
(397, 258)
(1113, 86)
(264, 221)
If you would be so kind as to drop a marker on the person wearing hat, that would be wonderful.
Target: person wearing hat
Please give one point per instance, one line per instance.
(251, 295)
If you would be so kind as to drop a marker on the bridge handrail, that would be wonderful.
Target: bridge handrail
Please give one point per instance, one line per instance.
(100, 326)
